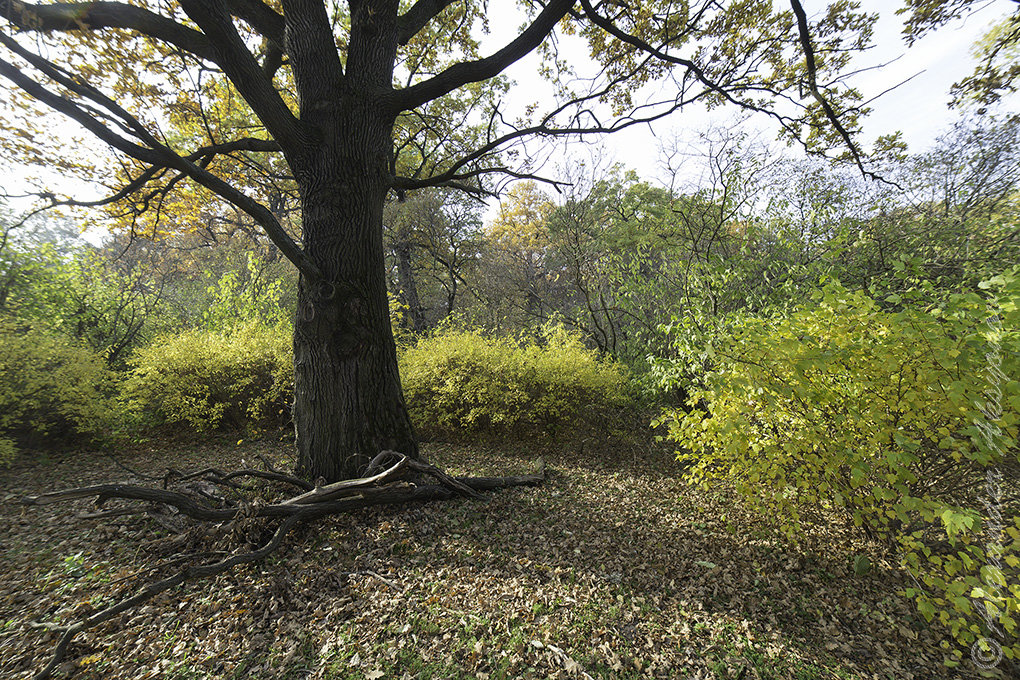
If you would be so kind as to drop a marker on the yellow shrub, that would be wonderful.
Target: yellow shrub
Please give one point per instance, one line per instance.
(461, 382)
(52, 388)
(238, 378)
(8, 451)
(875, 414)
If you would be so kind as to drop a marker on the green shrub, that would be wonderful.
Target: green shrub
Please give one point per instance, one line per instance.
(8, 451)
(238, 378)
(52, 389)
(246, 296)
(874, 414)
(461, 382)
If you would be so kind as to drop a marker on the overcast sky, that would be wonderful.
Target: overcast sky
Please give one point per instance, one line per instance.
(918, 108)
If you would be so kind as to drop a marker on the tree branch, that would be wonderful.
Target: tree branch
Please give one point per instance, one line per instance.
(155, 154)
(812, 69)
(454, 172)
(89, 16)
(464, 73)
(244, 72)
(203, 156)
(261, 17)
(310, 46)
(415, 19)
(624, 37)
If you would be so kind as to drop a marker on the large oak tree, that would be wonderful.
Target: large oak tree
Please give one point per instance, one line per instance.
(321, 110)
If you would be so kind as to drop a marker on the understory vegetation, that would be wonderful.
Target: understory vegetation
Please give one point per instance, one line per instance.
(614, 567)
(463, 383)
(829, 367)
(842, 408)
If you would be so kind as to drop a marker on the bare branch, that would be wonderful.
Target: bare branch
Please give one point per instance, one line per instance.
(611, 28)
(830, 114)
(222, 478)
(463, 73)
(415, 19)
(153, 589)
(89, 16)
(347, 486)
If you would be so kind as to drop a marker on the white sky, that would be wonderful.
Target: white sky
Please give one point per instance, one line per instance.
(918, 108)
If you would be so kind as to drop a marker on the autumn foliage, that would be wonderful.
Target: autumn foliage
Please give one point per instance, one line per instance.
(465, 383)
(51, 390)
(896, 416)
(239, 378)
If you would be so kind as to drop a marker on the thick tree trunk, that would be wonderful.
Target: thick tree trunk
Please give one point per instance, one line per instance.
(348, 403)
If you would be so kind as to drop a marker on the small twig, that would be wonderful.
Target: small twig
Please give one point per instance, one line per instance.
(153, 589)
(136, 473)
(45, 625)
(217, 476)
(388, 582)
(169, 563)
(210, 474)
(273, 476)
(269, 464)
(379, 462)
(175, 475)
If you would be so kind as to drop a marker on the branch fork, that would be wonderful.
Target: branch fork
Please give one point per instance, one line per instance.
(390, 478)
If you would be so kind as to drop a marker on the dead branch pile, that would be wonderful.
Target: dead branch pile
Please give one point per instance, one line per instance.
(234, 502)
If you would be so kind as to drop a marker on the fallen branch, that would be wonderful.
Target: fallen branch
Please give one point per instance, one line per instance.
(221, 478)
(153, 589)
(391, 478)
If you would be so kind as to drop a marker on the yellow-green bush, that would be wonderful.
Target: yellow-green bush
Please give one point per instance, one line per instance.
(51, 389)
(8, 451)
(238, 378)
(461, 382)
(896, 419)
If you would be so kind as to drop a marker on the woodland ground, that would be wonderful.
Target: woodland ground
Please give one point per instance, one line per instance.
(614, 568)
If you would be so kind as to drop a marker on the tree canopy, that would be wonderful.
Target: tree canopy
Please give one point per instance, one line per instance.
(304, 116)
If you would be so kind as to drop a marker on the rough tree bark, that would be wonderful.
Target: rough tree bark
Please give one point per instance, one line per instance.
(340, 60)
(348, 403)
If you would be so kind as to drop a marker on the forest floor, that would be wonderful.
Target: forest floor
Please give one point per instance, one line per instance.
(614, 568)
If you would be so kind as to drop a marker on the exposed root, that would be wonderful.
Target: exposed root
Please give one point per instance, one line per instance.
(215, 496)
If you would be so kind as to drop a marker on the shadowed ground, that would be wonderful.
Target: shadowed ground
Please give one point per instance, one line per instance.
(613, 568)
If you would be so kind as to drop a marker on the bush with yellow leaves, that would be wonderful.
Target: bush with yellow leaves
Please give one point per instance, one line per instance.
(237, 378)
(51, 390)
(903, 419)
(460, 382)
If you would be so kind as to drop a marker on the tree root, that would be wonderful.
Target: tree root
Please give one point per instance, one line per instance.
(390, 478)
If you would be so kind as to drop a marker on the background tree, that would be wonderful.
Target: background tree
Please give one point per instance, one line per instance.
(433, 239)
(997, 52)
(518, 241)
